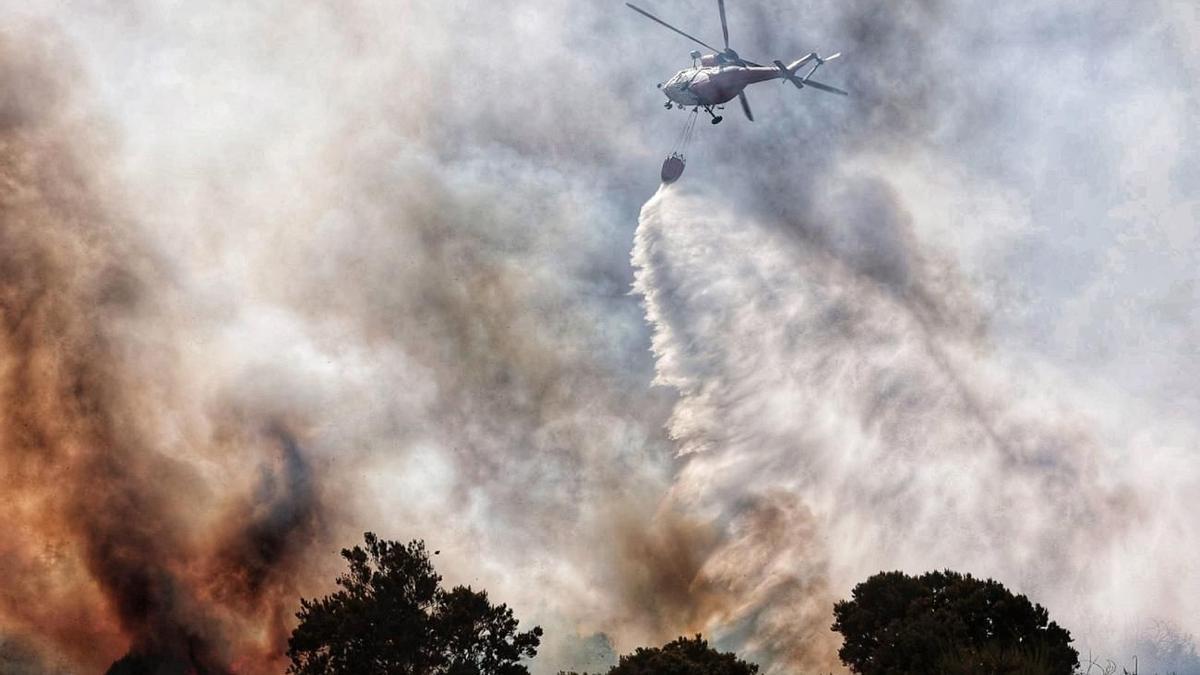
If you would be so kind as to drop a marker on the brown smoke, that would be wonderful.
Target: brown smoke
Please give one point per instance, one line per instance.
(101, 510)
(757, 580)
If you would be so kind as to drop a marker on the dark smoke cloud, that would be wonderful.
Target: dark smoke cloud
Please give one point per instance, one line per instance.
(112, 531)
(19, 658)
(455, 363)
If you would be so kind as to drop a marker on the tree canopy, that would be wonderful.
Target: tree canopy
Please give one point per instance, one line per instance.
(682, 656)
(391, 616)
(945, 623)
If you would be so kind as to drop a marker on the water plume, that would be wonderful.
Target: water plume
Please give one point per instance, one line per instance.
(831, 429)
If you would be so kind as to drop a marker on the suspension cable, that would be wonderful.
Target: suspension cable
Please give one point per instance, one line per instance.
(685, 134)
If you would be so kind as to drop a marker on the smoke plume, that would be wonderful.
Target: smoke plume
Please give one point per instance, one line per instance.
(118, 539)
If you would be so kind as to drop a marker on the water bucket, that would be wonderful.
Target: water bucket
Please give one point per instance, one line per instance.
(672, 168)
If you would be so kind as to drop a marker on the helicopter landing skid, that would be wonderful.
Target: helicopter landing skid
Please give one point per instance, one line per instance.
(716, 119)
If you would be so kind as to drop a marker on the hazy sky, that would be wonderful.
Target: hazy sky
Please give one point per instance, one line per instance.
(402, 266)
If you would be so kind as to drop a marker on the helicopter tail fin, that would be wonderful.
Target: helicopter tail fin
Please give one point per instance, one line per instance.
(788, 72)
(795, 65)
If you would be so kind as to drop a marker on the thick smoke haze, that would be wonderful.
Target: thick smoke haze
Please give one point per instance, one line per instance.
(275, 273)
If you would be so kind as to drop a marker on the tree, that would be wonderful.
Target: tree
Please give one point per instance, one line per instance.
(392, 617)
(944, 623)
(681, 657)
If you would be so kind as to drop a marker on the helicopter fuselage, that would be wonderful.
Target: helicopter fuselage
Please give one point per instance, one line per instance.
(707, 86)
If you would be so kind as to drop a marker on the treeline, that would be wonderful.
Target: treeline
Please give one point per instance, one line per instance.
(391, 615)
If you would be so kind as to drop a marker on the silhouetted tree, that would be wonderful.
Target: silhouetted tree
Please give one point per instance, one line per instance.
(946, 622)
(392, 617)
(682, 656)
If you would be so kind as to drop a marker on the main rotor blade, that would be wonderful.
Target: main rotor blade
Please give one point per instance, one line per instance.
(745, 105)
(650, 16)
(824, 87)
(724, 26)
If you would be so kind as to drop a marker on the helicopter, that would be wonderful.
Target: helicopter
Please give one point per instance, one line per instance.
(718, 77)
